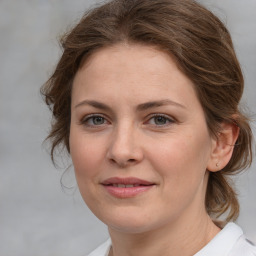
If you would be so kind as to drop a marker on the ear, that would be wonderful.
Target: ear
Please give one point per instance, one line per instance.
(223, 146)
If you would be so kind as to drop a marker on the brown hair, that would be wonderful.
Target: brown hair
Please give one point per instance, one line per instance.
(203, 49)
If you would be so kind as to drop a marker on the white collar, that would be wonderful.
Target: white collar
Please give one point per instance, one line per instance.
(223, 242)
(220, 245)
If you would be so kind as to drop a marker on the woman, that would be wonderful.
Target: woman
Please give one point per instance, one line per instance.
(145, 99)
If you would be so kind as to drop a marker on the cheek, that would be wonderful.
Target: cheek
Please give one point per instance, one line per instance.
(86, 156)
(182, 160)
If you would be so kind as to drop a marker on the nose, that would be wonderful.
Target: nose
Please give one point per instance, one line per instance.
(125, 148)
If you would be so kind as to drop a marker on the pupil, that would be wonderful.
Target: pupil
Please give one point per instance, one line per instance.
(98, 120)
(160, 120)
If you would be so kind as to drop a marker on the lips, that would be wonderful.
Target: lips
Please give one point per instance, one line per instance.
(126, 187)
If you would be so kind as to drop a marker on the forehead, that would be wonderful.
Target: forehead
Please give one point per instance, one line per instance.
(129, 55)
(126, 69)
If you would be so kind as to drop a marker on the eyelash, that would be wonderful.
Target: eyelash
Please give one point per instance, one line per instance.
(166, 117)
(85, 120)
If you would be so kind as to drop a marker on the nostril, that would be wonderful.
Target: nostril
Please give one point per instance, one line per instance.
(122, 163)
(112, 160)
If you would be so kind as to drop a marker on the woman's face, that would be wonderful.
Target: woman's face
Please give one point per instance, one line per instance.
(138, 139)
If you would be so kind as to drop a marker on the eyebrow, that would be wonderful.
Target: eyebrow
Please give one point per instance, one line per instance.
(140, 107)
(158, 103)
(94, 104)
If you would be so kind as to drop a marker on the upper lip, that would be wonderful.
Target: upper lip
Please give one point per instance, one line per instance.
(126, 181)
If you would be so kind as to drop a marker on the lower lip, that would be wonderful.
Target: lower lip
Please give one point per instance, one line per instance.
(127, 192)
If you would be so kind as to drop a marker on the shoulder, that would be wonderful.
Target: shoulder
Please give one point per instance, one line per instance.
(243, 247)
(230, 241)
(102, 250)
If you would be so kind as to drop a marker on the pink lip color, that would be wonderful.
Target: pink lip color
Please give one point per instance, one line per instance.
(126, 192)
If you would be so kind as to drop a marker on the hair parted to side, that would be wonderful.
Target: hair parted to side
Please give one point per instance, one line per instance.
(203, 50)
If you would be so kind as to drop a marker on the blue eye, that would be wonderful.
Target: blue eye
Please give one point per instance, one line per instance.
(94, 120)
(160, 120)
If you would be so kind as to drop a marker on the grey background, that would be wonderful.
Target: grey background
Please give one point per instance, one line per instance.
(36, 217)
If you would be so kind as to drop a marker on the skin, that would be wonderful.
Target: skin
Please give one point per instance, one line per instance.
(173, 151)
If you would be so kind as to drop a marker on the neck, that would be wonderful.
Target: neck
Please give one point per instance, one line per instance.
(184, 238)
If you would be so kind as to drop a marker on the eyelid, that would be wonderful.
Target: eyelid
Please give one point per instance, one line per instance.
(87, 117)
(169, 118)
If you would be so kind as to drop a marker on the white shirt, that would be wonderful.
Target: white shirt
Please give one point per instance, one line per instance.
(230, 241)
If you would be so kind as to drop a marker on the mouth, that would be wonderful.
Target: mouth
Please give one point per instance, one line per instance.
(126, 187)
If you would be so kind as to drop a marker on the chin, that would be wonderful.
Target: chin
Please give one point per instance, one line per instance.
(128, 221)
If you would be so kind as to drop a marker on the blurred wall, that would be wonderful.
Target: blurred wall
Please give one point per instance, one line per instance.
(36, 217)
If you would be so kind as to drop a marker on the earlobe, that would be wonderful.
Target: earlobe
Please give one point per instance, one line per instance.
(223, 146)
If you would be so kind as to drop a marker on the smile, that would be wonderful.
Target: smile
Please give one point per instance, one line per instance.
(126, 187)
